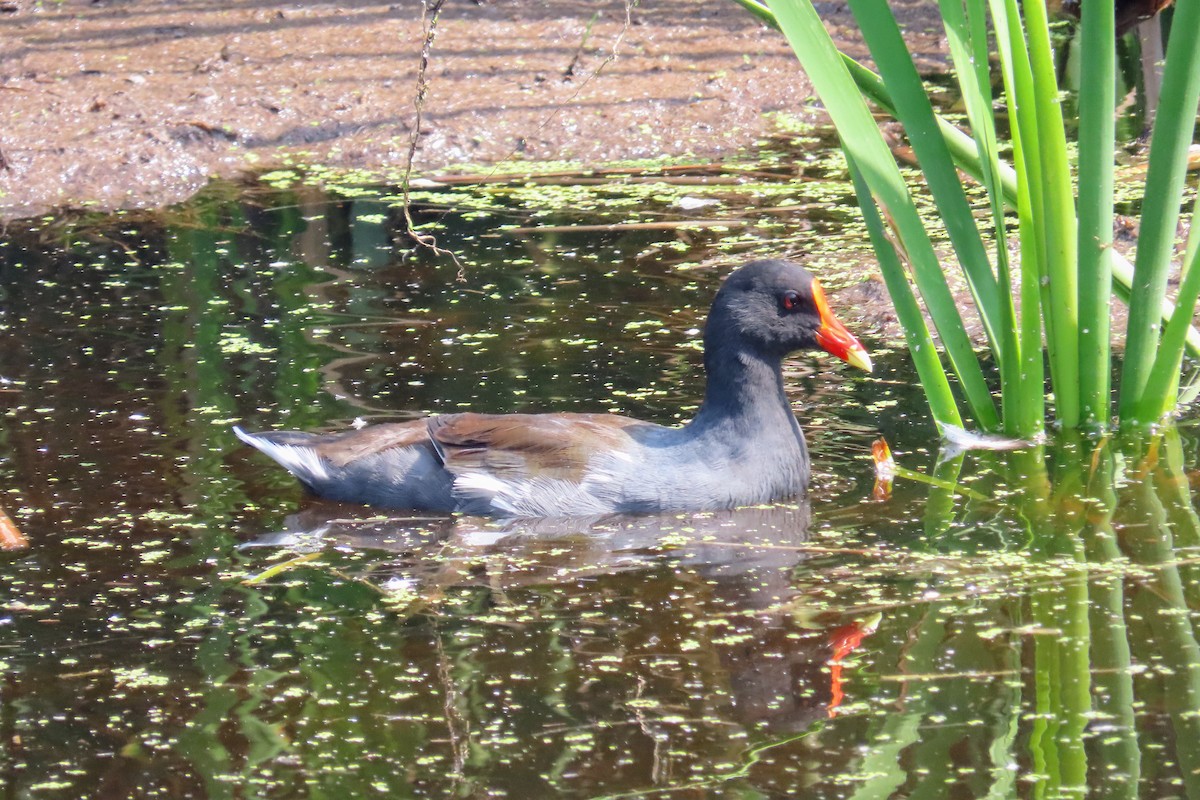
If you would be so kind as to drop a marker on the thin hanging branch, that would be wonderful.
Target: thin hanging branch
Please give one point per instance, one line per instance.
(430, 12)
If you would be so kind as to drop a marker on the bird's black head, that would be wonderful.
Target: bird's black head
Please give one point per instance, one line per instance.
(775, 307)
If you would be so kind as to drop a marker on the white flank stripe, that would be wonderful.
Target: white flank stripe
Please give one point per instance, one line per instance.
(482, 486)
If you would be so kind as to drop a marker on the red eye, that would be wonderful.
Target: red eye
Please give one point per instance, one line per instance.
(790, 300)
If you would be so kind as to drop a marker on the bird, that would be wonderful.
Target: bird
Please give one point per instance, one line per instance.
(743, 446)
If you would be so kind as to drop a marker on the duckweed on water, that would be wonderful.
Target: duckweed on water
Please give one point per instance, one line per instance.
(184, 620)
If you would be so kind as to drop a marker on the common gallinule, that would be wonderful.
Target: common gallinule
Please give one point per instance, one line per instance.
(744, 445)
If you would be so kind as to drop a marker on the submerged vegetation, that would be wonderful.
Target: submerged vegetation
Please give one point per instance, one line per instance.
(1061, 287)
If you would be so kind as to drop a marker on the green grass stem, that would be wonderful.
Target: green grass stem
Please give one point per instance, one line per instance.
(1173, 130)
(965, 153)
(1018, 78)
(924, 353)
(1057, 219)
(1162, 381)
(864, 143)
(1068, 268)
(1097, 144)
(890, 52)
(966, 31)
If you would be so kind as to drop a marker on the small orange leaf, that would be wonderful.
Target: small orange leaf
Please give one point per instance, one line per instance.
(10, 537)
(885, 470)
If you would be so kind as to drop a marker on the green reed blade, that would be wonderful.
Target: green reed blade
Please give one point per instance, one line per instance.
(966, 156)
(1097, 143)
(1060, 285)
(1173, 129)
(1173, 394)
(1049, 280)
(914, 110)
(1162, 380)
(966, 32)
(920, 344)
(1018, 78)
(963, 149)
(863, 141)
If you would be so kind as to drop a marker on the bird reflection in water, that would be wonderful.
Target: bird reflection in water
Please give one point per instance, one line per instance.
(784, 656)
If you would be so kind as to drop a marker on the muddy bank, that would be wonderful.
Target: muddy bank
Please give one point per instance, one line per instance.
(138, 103)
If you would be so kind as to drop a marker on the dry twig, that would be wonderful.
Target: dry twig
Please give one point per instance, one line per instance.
(429, 19)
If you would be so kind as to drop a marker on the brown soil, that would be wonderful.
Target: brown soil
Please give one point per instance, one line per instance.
(120, 103)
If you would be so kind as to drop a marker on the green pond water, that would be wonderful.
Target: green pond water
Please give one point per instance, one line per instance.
(185, 623)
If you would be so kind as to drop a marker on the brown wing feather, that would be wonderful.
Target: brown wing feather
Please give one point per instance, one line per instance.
(343, 448)
(550, 445)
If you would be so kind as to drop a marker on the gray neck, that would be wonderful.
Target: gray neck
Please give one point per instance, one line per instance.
(744, 396)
